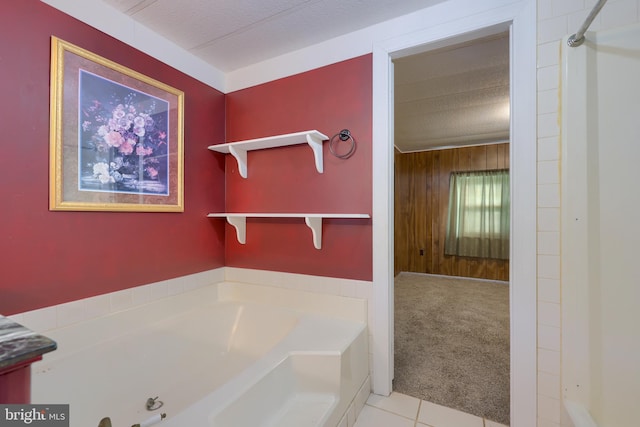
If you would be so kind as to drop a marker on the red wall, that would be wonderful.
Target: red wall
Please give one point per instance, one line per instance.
(285, 180)
(48, 257)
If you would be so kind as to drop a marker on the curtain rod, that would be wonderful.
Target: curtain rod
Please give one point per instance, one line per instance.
(578, 38)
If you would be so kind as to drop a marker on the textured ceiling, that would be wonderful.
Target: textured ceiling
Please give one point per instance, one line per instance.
(458, 95)
(231, 34)
(453, 96)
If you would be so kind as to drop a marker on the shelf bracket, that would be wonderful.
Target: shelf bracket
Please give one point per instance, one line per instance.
(315, 224)
(316, 145)
(240, 224)
(241, 158)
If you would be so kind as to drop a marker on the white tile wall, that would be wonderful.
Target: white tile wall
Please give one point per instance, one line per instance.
(351, 416)
(121, 300)
(545, 10)
(551, 29)
(548, 290)
(618, 13)
(549, 361)
(548, 53)
(548, 384)
(362, 396)
(548, 122)
(548, 196)
(548, 148)
(548, 101)
(549, 266)
(160, 290)
(575, 20)
(175, 287)
(98, 306)
(142, 294)
(548, 408)
(41, 320)
(57, 316)
(549, 243)
(549, 172)
(549, 314)
(548, 337)
(548, 219)
(548, 78)
(557, 19)
(566, 7)
(71, 312)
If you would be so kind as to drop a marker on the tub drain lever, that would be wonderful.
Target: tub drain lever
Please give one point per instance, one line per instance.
(153, 403)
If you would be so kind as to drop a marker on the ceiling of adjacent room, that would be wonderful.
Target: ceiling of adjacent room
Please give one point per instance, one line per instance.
(452, 96)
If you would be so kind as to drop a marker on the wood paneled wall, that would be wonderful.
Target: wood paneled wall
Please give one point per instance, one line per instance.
(421, 203)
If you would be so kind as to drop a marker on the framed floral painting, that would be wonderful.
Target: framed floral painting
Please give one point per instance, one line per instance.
(116, 136)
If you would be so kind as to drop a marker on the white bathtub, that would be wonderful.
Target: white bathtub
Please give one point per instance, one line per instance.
(600, 229)
(227, 355)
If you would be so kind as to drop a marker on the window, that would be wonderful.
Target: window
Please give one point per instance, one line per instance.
(478, 216)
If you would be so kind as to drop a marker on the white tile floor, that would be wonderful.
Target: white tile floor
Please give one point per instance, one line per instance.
(400, 410)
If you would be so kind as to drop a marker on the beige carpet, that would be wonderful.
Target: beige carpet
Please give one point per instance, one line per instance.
(452, 343)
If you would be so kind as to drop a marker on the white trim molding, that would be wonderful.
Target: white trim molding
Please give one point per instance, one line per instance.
(110, 21)
(460, 20)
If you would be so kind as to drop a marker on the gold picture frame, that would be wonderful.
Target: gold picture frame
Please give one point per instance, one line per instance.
(116, 136)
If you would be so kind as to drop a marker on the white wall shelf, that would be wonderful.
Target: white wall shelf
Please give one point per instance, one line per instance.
(313, 221)
(239, 149)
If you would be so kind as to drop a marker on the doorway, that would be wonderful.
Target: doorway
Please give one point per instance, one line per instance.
(451, 335)
(520, 19)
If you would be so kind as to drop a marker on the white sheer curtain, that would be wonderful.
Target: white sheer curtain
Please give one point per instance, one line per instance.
(478, 217)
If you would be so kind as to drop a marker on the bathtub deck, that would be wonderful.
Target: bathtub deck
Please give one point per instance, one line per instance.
(262, 365)
(298, 384)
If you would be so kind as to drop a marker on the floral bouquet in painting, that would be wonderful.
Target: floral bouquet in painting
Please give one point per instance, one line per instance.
(122, 138)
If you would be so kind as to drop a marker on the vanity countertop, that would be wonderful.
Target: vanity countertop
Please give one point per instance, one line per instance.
(19, 344)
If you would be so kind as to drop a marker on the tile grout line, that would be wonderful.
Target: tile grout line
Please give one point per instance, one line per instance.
(417, 416)
(389, 412)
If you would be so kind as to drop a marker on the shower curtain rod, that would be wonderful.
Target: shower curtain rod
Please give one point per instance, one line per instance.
(578, 38)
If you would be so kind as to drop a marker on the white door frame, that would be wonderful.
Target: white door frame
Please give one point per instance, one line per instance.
(497, 15)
